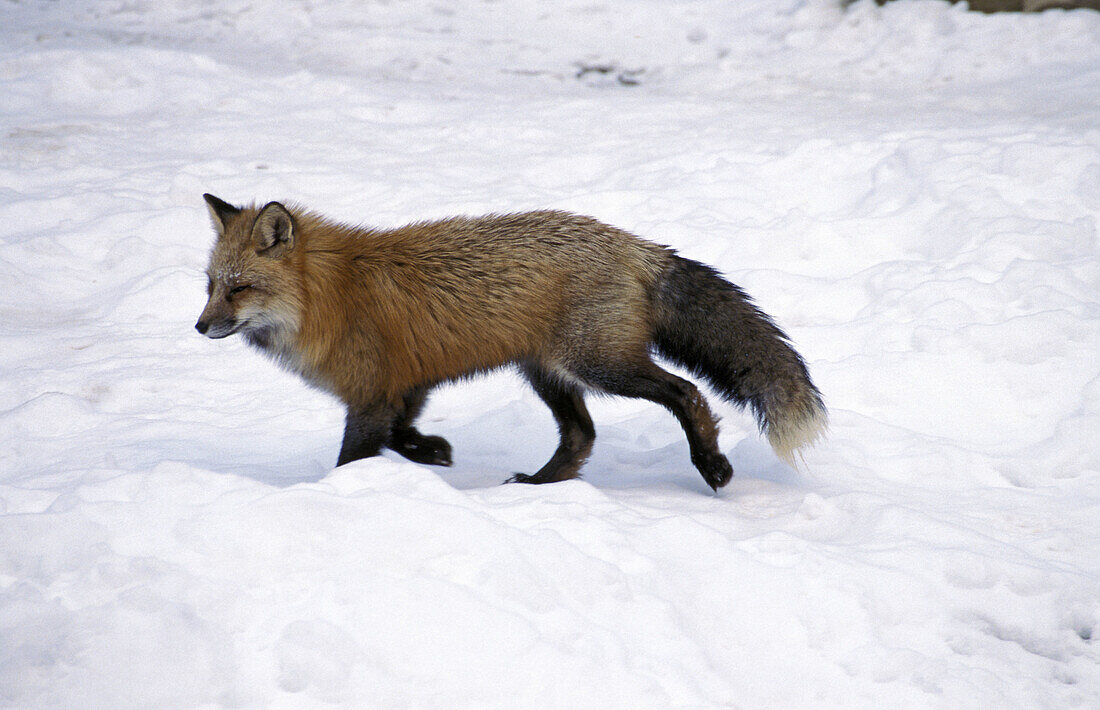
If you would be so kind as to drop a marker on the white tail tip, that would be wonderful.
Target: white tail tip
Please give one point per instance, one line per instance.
(790, 434)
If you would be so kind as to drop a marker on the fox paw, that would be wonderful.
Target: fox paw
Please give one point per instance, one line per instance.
(541, 477)
(716, 469)
(431, 450)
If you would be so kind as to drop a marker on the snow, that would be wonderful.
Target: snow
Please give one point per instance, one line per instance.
(911, 190)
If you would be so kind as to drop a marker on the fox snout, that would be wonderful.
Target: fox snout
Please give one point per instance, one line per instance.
(218, 328)
(216, 321)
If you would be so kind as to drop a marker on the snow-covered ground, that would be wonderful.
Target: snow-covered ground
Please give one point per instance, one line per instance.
(912, 191)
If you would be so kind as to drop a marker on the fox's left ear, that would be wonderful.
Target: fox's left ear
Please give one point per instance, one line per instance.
(273, 232)
(220, 212)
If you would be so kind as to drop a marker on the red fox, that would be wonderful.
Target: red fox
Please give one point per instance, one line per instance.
(379, 317)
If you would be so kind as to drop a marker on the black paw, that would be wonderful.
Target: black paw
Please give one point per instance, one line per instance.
(431, 450)
(540, 477)
(716, 469)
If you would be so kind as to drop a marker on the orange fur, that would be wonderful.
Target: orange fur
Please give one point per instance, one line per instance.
(380, 311)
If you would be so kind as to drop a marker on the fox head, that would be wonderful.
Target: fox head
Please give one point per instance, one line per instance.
(250, 279)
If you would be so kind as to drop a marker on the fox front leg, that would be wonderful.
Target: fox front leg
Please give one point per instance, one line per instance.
(366, 430)
(409, 442)
(370, 428)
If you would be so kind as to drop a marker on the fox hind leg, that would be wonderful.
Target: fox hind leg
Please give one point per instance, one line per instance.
(566, 402)
(406, 440)
(644, 379)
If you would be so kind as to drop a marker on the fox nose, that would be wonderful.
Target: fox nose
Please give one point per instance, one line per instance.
(202, 326)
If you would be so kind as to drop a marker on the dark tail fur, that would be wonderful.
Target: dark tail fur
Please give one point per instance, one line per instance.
(711, 327)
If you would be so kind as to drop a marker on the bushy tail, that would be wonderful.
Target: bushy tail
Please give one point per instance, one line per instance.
(711, 327)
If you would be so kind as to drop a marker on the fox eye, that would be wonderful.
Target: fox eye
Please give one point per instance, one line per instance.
(238, 289)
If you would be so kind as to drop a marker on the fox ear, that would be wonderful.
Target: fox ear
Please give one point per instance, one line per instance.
(220, 212)
(273, 232)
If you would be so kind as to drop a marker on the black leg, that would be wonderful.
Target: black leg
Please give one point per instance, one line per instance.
(409, 442)
(366, 430)
(648, 381)
(574, 425)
